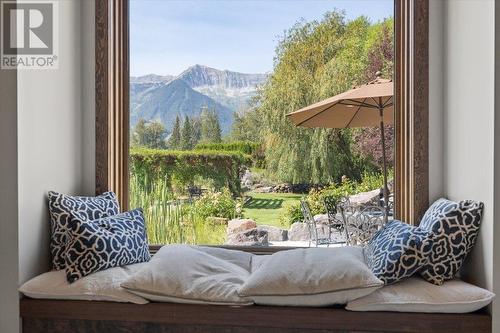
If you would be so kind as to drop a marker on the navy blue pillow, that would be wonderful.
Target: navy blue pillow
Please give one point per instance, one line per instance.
(397, 251)
(108, 242)
(62, 207)
(455, 226)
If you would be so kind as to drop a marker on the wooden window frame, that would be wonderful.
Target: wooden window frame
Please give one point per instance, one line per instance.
(411, 100)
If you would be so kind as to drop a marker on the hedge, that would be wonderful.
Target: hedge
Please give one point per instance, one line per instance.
(244, 147)
(182, 167)
(254, 149)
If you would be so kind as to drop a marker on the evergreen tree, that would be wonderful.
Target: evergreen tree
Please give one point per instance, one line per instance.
(187, 135)
(210, 126)
(174, 140)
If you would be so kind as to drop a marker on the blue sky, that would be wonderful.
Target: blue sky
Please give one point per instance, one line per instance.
(167, 36)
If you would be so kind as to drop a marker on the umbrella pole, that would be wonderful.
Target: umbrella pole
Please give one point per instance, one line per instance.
(386, 190)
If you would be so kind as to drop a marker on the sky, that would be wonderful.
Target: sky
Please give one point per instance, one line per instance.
(168, 36)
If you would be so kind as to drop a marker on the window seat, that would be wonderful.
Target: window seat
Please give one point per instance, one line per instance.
(57, 316)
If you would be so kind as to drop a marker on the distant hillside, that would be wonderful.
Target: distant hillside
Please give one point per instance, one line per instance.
(164, 97)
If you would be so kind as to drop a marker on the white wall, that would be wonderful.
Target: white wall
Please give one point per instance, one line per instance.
(8, 202)
(44, 115)
(88, 96)
(468, 101)
(436, 12)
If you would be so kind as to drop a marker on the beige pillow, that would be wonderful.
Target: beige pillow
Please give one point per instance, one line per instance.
(311, 277)
(193, 274)
(417, 295)
(99, 286)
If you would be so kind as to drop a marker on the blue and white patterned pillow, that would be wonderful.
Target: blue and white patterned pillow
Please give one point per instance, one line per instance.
(456, 226)
(398, 251)
(62, 207)
(108, 242)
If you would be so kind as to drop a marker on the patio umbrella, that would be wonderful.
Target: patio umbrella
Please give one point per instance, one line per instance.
(368, 105)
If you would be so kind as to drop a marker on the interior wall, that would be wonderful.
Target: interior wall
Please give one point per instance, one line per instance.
(9, 299)
(468, 123)
(54, 110)
(436, 12)
(88, 96)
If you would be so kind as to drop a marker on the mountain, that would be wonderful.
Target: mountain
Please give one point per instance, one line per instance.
(231, 89)
(163, 97)
(174, 98)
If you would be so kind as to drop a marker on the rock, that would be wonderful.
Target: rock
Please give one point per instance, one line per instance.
(274, 234)
(300, 232)
(252, 237)
(370, 198)
(240, 225)
(217, 220)
(264, 189)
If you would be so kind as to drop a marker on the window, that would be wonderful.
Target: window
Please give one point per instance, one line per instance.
(172, 198)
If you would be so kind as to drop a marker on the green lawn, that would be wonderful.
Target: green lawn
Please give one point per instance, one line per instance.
(266, 208)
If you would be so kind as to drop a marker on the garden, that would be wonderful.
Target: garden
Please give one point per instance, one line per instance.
(264, 166)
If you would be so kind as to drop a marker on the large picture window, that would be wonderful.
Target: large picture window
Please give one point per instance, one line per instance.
(191, 105)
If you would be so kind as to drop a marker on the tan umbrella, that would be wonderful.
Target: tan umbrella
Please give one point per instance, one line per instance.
(368, 105)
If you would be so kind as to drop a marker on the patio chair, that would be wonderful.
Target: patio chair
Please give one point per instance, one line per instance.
(332, 211)
(361, 223)
(312, 228)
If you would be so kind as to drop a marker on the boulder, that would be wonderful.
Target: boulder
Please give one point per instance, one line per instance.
(300, 232)
(274, 234)
(252, 237)
(240, 225)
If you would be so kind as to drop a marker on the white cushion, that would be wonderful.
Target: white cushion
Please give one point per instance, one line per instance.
(417, 295)
(193, 274)
(99, 286)
(311, 277)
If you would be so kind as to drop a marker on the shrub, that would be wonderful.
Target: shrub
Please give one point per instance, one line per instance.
(182, 168)
(370, 181)
(244, 147)
(169, 220)
(253, 149)
(216, 204)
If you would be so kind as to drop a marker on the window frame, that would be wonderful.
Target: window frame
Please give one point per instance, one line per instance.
(411, 94)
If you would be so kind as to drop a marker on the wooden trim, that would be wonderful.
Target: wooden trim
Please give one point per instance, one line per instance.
(43, 315)
(412, 109)
(411, 104)
(259, 250)
(112, 98)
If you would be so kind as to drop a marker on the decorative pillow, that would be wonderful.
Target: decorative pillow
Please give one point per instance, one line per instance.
(108, 242)
(193, 275)
(101, 286)
(417, 295)
(456, 226)
(311, 277)
(62, 207)
(397, 251)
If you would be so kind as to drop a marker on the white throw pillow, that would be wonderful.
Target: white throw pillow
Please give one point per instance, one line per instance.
(417, 295)
(311, 277)
(99, 286)
(193, 274)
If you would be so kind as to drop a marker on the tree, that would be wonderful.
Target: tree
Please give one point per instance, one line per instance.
(210, 126)
(316, 60)
(174, 140)
(148, 134)
(138, 133)
(187, 135)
